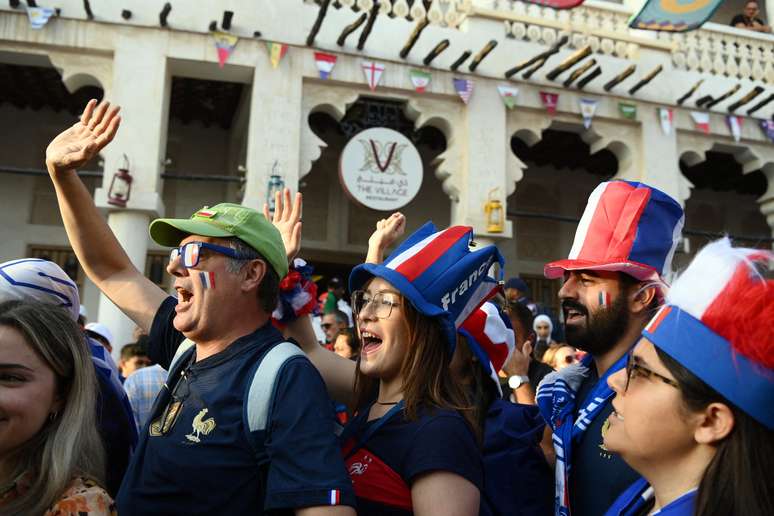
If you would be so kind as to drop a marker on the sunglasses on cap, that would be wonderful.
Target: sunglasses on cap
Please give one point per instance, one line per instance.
(191, 252)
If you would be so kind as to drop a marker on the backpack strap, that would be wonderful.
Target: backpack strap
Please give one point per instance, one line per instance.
(259, 394)
(181, 349)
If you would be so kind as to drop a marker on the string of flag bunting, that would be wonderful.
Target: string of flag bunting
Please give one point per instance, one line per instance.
(651, 16)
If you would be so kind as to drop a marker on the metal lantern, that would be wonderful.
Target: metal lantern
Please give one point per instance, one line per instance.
(276, 184)
(495, 215)
(120, 186)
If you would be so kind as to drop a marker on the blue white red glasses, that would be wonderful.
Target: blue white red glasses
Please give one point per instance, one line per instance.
(191, 251)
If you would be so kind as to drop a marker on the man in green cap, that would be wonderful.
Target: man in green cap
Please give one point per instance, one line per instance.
(218, 441)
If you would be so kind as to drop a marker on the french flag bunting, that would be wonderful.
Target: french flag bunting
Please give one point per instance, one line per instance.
(464, 88)
(325, 63)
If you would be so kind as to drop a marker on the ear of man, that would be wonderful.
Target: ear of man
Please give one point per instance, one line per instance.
(642, 299)
(254, 272)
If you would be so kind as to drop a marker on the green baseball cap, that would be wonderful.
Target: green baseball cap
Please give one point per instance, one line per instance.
(226, 220)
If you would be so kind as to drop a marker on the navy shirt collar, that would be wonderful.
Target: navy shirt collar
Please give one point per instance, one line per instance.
(264, 335)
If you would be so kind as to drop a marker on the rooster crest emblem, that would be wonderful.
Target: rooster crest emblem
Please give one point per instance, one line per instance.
(201, 426)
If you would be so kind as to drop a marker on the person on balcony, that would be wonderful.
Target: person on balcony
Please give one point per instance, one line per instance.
(749, 18)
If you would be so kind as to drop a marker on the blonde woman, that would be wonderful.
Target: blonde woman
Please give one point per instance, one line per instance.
(51, 456)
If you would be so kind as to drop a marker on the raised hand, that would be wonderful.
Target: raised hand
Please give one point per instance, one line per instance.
(518, 362)
(386, 233)
(81, 142)
(287, 220)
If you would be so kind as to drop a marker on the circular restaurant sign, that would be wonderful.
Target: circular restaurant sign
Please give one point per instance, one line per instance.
(380, 169)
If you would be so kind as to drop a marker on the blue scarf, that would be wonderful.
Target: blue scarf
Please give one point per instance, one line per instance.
(556, 399)
(634, 500)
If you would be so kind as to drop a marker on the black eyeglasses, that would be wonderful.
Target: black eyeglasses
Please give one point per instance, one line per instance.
(633, 369)
(380, 303)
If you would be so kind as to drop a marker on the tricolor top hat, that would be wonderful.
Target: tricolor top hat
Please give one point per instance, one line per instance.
(717, 323)
(438, 273)
(626, 227)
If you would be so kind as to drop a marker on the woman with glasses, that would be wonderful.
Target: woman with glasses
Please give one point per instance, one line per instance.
(693, 407)
(52, 460)
(413, 444)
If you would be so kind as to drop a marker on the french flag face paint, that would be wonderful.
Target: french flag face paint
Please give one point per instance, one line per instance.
(208, 279)
(335, 497)
(604, 299)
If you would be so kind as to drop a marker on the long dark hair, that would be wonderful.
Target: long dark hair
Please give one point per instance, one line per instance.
(737, 479)
(427, 381)
(477, 385)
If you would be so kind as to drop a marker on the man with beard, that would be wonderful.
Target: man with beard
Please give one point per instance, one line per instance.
(613, 281)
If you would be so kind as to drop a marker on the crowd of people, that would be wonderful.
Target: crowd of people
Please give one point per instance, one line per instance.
(440, 389)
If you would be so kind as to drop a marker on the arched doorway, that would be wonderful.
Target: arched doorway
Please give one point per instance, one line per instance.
(723, 201)
(336, 229)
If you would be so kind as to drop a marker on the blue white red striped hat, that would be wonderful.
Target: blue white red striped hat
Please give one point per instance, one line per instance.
(438, 273)
(717, 323)
(41, 280)
(627, 227)
(491, 339)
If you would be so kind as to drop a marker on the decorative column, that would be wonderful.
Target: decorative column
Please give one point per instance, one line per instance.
(141, 86)
(274, 131)
(486, 176)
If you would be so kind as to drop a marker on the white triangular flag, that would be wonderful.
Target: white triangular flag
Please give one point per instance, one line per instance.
(735, 126)
(666, 115)
(373, 73)
(588, 107)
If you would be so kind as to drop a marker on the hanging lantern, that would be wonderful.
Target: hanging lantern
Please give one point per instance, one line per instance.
(120, 186)
(276, 184)
(495, 216)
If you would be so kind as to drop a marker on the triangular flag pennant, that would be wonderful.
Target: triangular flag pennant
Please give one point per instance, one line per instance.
(735, 126)
(39, 16)
(767, 126)
(588, 107)
(627, 110)
(224, 44)
(276, 52)
(701, 119)
(550, 100)
(420, 79)
(325, 63)
(666, 115)
(464, 88)
(373, 73)
(508, 94)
